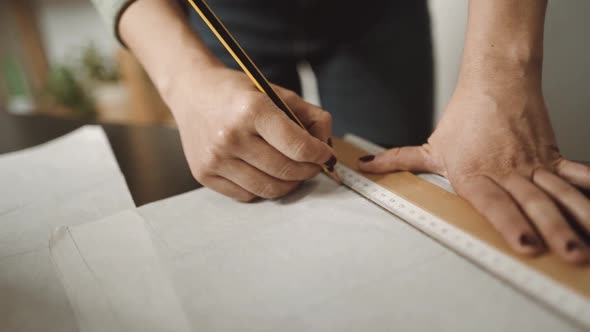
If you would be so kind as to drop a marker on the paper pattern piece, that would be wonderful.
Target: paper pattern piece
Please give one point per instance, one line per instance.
(321, 259)
(43, 187)
(325, 259)
(113, 277)
(67, 181)
(32, 297)
(61, 165)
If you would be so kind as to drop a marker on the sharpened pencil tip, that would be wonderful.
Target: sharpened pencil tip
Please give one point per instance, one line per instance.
(333, 174)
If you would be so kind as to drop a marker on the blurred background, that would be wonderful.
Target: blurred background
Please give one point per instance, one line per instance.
(58, 58)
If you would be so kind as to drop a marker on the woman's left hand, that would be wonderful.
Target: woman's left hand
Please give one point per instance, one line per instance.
(496, 145)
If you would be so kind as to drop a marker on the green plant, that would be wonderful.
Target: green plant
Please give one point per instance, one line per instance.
(65, 89)
(96, 67)
(14, 78)
(69, 85)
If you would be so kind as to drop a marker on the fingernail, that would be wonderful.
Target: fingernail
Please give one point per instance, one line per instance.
(330, 163)
(330, 142)
(572, 245)
(529, 241)
(367, 158)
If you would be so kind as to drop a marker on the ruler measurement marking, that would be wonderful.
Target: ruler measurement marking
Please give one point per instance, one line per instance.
(532, 283)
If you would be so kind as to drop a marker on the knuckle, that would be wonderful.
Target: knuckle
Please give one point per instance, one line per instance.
(326, 117)
(289, 171)
(491, 202)
(510, 179)
(557, 166)
(269, 190)
(394, 153)
(248, 106)
(252, 102)
(565, 191)
(246, 198)
(289, 95)
(227, 138)
(302, 151)
(533, 202)
(211, 163)
(199, 174)
(253, 107)
(555, 231)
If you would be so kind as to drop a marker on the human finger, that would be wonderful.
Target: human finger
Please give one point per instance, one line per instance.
(291, 140)
(496, 205)
(315, 119)
(576, 173)
(547, 218)
(255, 181)
(270, 161)
(227, 188)
(568, 197)
(407, 158)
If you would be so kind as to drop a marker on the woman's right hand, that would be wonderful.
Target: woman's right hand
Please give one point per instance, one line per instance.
(237, 142)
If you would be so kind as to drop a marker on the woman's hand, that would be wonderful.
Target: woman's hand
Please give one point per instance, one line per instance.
(237, 142)
(235, 139)
(496, 145)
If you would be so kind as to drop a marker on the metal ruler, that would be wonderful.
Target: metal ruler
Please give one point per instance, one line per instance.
(533, 283)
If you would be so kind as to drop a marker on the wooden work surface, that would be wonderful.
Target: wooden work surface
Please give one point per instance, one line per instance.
(459, 213)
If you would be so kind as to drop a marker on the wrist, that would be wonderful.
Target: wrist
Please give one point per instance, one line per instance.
(186, 67)
(502, 70)
(166, 46)
(504, 42)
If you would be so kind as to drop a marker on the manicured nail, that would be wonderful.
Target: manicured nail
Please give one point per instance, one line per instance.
(367, 158)
(572, 245)
(529, 241)
(330, 142)
(330, 163)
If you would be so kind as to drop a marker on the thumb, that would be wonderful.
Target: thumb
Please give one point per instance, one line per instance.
(407, 158)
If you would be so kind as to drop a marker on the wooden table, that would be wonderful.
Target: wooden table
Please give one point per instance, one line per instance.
(150, 157)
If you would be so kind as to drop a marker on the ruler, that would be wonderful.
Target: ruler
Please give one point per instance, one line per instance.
(563, 288)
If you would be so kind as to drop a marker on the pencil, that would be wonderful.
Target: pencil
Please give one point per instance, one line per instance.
(244, 61)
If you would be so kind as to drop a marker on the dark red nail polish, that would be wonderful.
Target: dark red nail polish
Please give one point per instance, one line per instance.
(330, 142)
(330, 163)
(367, 158)
(572, 245)
(529, 241)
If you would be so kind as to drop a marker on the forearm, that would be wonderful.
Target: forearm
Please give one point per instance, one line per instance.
(504, 37)
(158, 34)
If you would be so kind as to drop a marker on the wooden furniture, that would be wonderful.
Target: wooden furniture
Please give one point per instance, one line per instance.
(133, 100)
(21, 15)
(144, 102)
